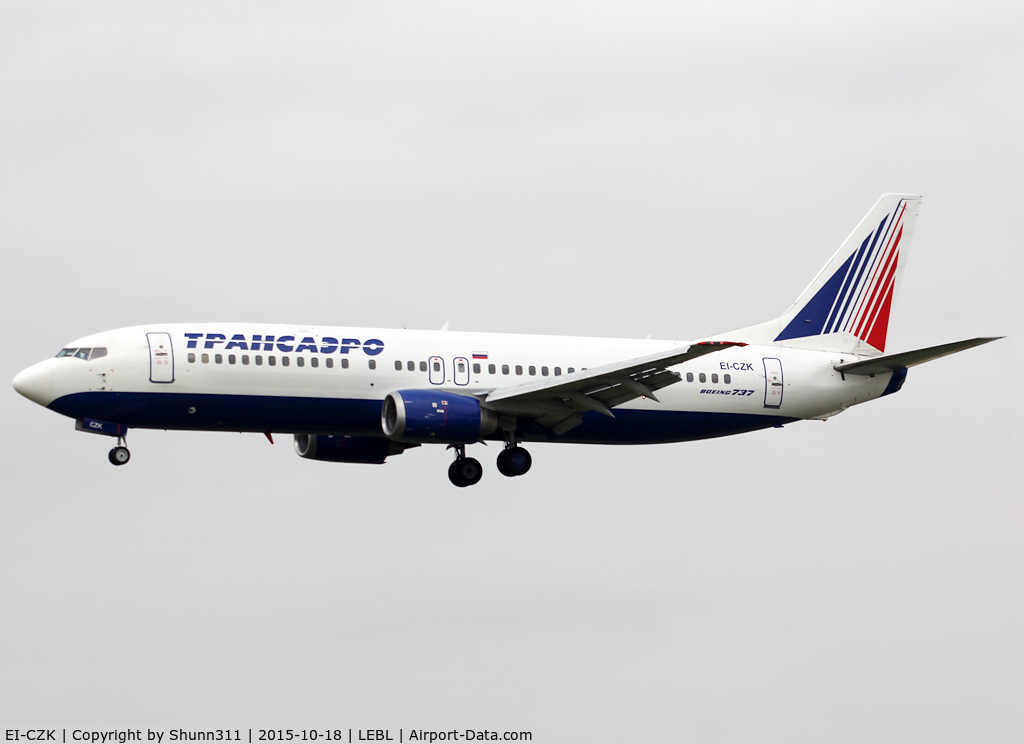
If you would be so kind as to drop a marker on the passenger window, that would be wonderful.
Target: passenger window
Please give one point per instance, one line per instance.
(344, 363)
(558, 371)
(519, 369)
(245, 358)
(373, 364)
(411, 366)
(259, 361)
(82, 354)
(504, 369)
(206, 358)
(329, 362)
(98, 352)
(544, 371)
(218, 358)
(727, 379)
(569, 371)
(231, 358)
(300, 361)
(314, 361)
(703, 377)
(398, 365)
(532, 370)
(423, 366)
(714, 379)
(191, 358)
(285, 361)
(476, 368)
(491, 369)
(689, 376)
(271, 360)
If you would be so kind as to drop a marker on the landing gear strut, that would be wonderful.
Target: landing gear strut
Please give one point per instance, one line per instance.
(120, 454)
(513, 460)
(464, 471)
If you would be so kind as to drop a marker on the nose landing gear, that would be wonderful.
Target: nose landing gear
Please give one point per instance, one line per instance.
(464, 471)
(120, 454)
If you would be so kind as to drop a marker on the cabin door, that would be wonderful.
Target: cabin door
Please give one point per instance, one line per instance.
(161, 357)
(772, 382)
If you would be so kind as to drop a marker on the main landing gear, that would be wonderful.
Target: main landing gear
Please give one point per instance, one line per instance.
(120, 454)
(464, 471)
(513, 461)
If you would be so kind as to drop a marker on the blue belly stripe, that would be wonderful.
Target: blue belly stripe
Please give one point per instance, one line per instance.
(227, 412)
(354, 417)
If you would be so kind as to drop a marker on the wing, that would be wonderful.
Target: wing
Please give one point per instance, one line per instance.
(560, 402)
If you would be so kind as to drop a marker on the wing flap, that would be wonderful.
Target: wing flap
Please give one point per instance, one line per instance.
(648, 370)
(559, 402)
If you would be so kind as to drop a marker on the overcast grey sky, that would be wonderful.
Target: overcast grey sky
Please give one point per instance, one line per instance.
(564, 168)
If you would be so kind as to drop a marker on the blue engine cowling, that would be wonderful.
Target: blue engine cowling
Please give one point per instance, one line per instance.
(423, 416)
(331, 448)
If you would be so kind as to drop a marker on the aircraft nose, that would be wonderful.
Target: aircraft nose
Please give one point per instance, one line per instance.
(36, 383)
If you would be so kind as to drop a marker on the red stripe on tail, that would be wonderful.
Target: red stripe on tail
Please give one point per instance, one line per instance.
(877, 334)
(871, 305)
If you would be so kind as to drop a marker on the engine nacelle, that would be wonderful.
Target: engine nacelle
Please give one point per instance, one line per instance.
(332, 448)
(423, 416)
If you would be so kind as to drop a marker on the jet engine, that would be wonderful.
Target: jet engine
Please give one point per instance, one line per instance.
(422, 416)
(336, 448)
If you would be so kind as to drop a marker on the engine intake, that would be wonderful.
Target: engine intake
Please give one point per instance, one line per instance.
(423, 416)
(331, 448)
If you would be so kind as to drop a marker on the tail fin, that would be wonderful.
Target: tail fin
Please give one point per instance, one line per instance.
(846, 307)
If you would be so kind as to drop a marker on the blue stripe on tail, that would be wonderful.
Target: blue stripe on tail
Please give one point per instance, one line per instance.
(810, 321)
(855, 287)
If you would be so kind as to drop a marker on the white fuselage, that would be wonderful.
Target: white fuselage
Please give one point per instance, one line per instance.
(332, 380)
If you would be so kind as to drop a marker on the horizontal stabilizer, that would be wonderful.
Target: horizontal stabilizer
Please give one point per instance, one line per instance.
(883, 364)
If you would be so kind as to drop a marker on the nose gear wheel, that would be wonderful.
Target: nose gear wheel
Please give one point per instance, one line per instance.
(119, 455)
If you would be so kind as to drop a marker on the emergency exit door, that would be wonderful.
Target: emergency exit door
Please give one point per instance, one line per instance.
(772, 382)
(460, 366)
(161, 357)
(436, 375)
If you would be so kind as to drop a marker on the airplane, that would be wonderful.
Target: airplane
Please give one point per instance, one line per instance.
(361, 395)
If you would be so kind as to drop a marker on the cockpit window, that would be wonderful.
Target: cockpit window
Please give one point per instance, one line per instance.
(95, 353)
